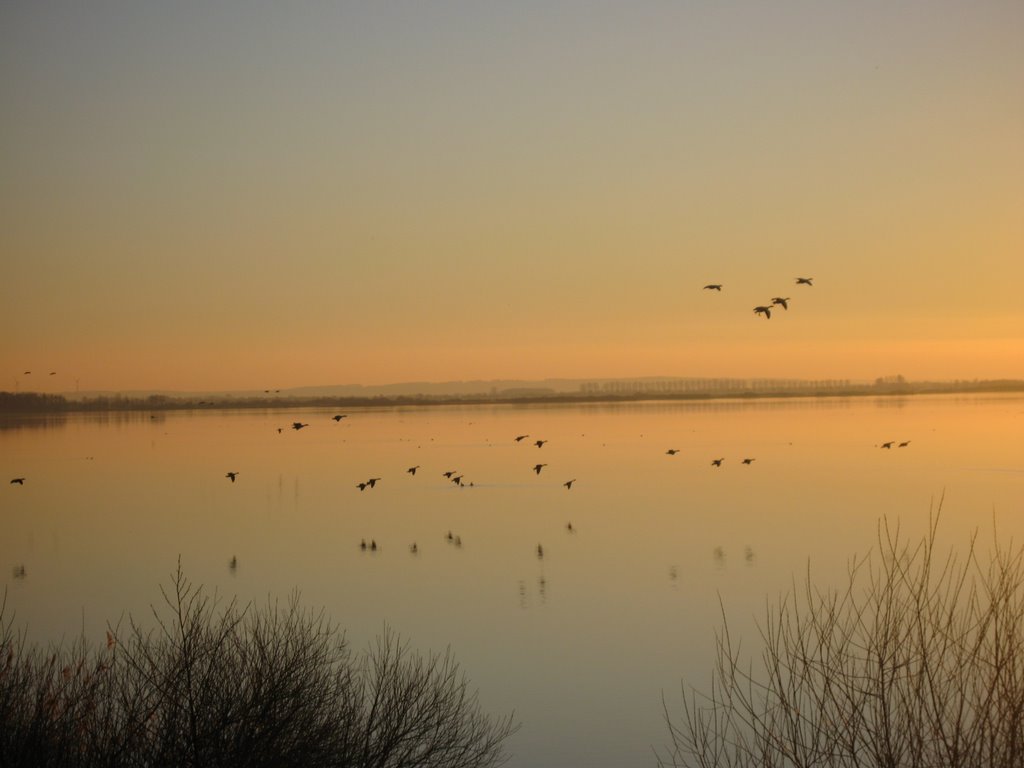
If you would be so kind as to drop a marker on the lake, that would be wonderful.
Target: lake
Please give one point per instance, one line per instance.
(584, 642)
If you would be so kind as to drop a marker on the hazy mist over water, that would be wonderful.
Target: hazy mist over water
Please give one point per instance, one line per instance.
(582, 642)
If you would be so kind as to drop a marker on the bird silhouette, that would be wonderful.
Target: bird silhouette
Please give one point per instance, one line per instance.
(748, 461)
(538, 467)
(540, 443)
(569, 528)
(520, 438)
(568, 484)
(782, 302)
(766, 311)
(450, 538)
(372, 481)
(904, 444)
(373, 545)
(233, 563)
(362, 545)
(540, 552)
(362, 486)
(804, 281)
(672, 451)
(457, 479)
(717, 462)
(449, 474)
(340, 416)
(412, 470)
(457, 542)
(231, 476)
(18, 481)
(297, 425)
(413, 548)
(888, 444)
(713, 287)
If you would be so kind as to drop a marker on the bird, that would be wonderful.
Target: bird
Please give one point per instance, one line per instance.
(520, 438)
(450, 538)
(362, 545)
(449, 474)
(766, 311)
(457, 479)
(781, 301)
(540, 552)
(804, 281)
(18, 481)
(297, 425)
(339, 417)
(569, 528)
(538, 467)
(887, 445)
(717, 462)
(713, 287)
(373, 545)
(568, 484)
(748, 461)
(458, 542)
(372, 481)
(232, 476)
(540, 443)
(412, 470)
(672, 451)
(361, 486)
(413, 548)
(53, 373)
(904, 444)
(233, 563)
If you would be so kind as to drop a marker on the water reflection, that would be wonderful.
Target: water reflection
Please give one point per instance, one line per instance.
(97, 537)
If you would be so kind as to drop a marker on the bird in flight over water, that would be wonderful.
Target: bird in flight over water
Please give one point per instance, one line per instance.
(748, 461)
(887, 445)
(538, 467)
(297, 425)
(339, 417)
(231, 476)
(18, 481)
(568, 484)
(672, 451)
(717, 462)
(540, 443)
(804, 281)
(713, 287)
(766, 311)
(781, 302)
(412, 470)
(520, 438)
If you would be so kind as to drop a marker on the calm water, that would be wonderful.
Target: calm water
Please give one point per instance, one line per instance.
(583, 643)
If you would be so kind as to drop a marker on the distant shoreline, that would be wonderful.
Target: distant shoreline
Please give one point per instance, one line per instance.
(33, 402)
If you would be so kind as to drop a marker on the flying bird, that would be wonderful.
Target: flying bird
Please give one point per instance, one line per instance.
(412, 470)
(540, 552)
(449, 474)
(413, 548)
(372, 481)
(904, 444)
(713, 287)
(340, 416)
(781, 302)
(457, 479)
(538, 467)
(766, 311)
(540, 443)
(887, 445)
(231, 476)
(804, 281)
(717, 462)
(297, 425)
(362, 486)
(748, 461)
(672, 451)
(520, 438)
(567, 484)
(18, 481)
(233, 563)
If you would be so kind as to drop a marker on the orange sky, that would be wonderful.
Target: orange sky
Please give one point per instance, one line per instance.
(245, 197)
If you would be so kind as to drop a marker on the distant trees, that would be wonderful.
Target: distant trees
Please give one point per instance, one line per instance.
(237, 687)
(917, 661)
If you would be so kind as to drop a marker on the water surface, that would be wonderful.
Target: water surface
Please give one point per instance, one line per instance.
(582, 643)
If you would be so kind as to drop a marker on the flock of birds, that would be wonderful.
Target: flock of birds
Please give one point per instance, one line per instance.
(777, 301)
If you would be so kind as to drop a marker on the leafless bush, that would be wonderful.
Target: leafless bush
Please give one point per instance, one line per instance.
(227, 686)
(918, 661)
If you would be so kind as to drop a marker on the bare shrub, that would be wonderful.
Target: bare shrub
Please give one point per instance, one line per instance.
(917, 661)
(211, 685)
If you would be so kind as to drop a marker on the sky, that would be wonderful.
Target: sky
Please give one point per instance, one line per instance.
(242, 195)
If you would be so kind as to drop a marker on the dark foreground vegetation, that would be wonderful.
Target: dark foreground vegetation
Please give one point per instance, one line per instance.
(228, 686)
(917, 661)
